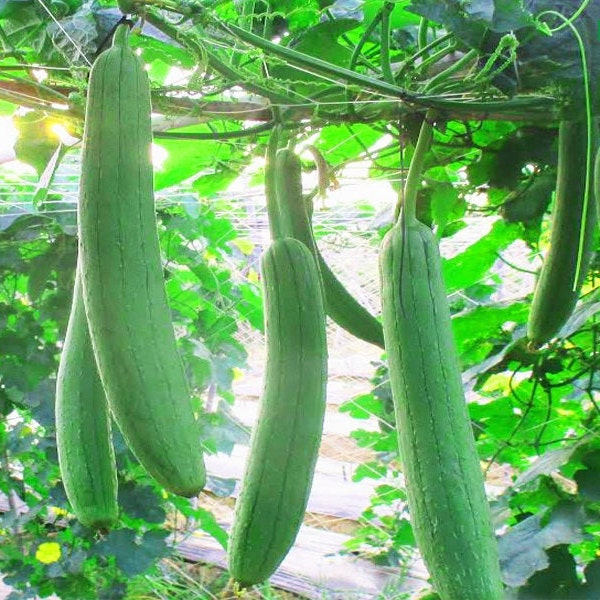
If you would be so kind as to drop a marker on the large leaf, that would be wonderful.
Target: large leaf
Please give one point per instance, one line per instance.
(557, 581)
(523, 548)
(10, 8)
(399, 18)
(547, 463)
(79, 35)
(320, 41)
(340, 143)
(141, 502)
(473, 265)
(133, 554)
(480, 330)
(36, 143)
(188, 158)
(500, 16)
(299, 14)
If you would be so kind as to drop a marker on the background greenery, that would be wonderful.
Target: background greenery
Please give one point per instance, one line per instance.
(535, 415)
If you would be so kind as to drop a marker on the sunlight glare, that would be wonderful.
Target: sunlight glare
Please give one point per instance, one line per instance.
(8, 136)
(159, 156)
(178, 76)
(40, 74)
(63, 135)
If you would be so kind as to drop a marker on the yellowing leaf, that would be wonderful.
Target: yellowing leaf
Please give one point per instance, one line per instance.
(48, 552)
(496, 383)
(244, 245)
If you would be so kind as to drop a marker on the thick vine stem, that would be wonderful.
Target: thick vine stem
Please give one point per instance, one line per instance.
(217, 135)
(333, 72)
(192, 44)
(386, 68)
(424, 54)
(422, 33)
(467, 59)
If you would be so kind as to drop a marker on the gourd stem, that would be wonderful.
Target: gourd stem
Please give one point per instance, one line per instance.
(120, 36)
(288, 188)
(413, 179)
(270, 190)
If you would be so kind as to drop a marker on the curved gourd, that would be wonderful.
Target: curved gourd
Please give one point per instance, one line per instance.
(341, 306)
(558, 286)
(123, 287)
(285, 442)
(83, 438)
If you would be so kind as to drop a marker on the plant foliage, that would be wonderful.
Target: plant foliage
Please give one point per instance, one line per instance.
(353, 80)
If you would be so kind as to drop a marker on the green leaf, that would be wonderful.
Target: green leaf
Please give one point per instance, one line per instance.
(208, 186)
(46, 178)
(40, 268)
(369, 470)
(523, 547)
(450, 14)
(133, 555)
(403, 534)
(84, 30)
(10, 8)
(591, 587)
(446, 205)
(474, 264)
(362, 407)
(207, 522)
(187, 158)
(588, 484)
(320, 41)
(141, 502)
(399, 18)
(220, 487)
(203, 519)
(557, 581)
(299, 14)
(547, 463)
(376, 441)
(156, 50)
(501, 16)
(480, 330)
(387, 494)
(7, 108)
(223, 429)
(339, 143)
(36, 143)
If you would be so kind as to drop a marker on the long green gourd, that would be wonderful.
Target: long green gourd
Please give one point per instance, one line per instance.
(446, 496)
(341, 306)
(596, 183)
(285, 441)
(558, 286)
(83, 437)
(123, 287)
